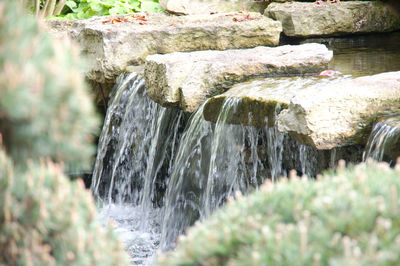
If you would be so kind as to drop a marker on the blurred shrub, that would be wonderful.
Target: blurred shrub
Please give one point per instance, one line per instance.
(47, 220)
(45, 108)
(347, 218)
(45, 112)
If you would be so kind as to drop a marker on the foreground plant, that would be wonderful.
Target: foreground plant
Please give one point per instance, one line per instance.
(45, 112)
(47, 220)
(347, 218)
(45, 107)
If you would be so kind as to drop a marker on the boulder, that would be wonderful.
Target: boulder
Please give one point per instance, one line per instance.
(334, 19)
(114, 42)
(185, 80)
(337, 114)
(257, 101)
(191, 7)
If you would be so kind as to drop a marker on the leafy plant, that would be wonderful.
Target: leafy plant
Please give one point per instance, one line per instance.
(87, 8)
(350, 217)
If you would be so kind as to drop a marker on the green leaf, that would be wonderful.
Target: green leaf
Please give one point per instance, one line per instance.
(150, 6)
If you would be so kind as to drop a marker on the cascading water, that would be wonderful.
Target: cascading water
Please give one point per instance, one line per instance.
(384, 140)
(213, 162)
(139, 160)
(135, 154)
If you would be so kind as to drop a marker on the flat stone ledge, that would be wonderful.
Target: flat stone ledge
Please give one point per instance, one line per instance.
(185, 80)
(336, 114)
(190, 7)
(258, 102)
(112, 43)
(334, 19)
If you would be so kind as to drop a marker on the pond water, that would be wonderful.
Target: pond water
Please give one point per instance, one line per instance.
(139, 222)
(364, 55)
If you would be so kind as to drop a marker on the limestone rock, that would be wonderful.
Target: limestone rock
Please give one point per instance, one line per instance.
(113, 43)
(187, 79)
(336, 114)
(256, 103)
(190, 7)
(352, 17)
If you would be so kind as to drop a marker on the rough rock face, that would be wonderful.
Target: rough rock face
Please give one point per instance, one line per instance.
(335, 114)
(352, 17)
(187, 79)
(190, 7)
(256, 101)
(113, 43)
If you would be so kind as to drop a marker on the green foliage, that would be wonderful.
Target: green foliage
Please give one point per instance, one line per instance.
(347, 218)
(87, 8)
(45, 108)
(45, 111)
(47, 220)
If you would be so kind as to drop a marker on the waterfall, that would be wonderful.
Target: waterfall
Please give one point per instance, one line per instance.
(135, 145)
(134, 159)
(155, 178)
(213, 162)
(383, 140)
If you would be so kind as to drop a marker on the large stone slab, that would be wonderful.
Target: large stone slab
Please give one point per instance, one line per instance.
(187, 79)
(190, 7)
(113, 43)
(256, 101)
(336, 114)
(259, 101)
(352, 17)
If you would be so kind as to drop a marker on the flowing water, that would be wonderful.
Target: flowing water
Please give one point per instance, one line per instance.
(383, 142)
(154, 177)
(214, 161)
(135, 154)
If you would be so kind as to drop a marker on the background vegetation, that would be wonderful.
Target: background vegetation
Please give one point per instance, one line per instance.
(46, 120)
(81, 9)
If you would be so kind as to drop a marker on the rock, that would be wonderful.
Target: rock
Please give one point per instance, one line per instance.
(191, 7)
(187, 79)
(336, 114)
(256, 101)
(352, 17)
(113, 43)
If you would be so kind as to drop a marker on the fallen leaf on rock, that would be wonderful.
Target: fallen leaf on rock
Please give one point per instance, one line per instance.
(130, 18)
(242, 18)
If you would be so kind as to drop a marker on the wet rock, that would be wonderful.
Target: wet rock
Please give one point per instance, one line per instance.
(336, 114)
(334, 19)
(187, 79)
(257, 101)
(112, 43)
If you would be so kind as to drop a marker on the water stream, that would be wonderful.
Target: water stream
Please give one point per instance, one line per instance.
(383, 142)
(156, 172)
(134, 160)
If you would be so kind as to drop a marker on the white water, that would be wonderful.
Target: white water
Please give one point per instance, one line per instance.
(213, 162)
(153, 181)
(383, 137)
(135, 155)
